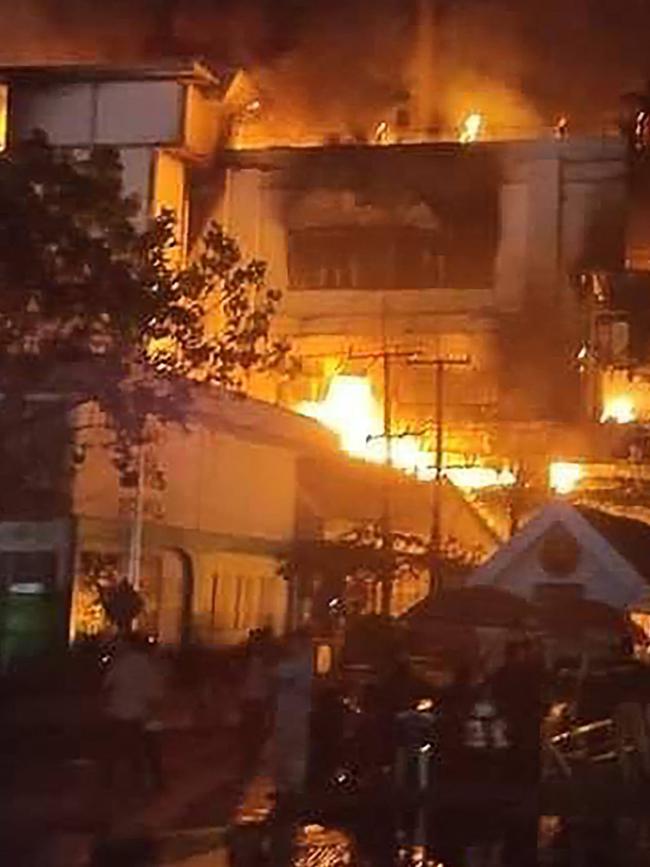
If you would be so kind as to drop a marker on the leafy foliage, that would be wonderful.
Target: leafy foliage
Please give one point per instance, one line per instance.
(94, 309)
(122, 604)
(349, 567)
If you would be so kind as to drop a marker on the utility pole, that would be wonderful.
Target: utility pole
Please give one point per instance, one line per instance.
(387, 356)
(388, 406)
(137, 523)
(439, 365)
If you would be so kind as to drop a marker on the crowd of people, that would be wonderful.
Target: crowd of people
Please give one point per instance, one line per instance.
(273, 703)
(298, 726)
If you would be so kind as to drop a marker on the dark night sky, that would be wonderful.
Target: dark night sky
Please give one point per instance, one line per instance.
(560, 55)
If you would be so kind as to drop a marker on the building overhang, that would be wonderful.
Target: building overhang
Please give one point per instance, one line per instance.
(182, 70)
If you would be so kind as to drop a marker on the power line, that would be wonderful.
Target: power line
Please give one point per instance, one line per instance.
(440, 366)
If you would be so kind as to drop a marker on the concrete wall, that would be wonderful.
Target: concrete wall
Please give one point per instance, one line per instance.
(563, 208)
(227, 503)
(170, 192)
(202, 120)
(138, 116)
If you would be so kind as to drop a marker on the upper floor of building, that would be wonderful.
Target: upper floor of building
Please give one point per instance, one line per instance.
(175, 104)
(421, 227)
(356, 232)
(162, 119)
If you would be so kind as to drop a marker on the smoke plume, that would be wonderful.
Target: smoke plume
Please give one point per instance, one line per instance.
(345, 65)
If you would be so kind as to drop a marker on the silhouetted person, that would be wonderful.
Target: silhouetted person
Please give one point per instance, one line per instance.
(517, 688)
(133, 688)
(455, 704)
(256, 694)
(326, 731)
(293, 676)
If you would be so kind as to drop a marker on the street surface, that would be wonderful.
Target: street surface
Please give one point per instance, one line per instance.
(56, 808)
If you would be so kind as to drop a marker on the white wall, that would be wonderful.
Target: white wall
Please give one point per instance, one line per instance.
(523, 575)
(170, 190)
(244, 592)
(229, 502)
(511, 255)
(203, 119)
(214, 482)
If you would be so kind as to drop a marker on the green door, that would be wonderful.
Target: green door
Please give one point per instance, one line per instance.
(30, 623)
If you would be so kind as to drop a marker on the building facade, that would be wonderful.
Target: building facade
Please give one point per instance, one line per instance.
(440, 248)
(221, 503)
(447, 250)
(161, 119)
(385, 254)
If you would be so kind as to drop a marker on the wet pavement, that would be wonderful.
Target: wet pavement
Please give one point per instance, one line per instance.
(598, 833)
(595, 825)
(54, 803)
(467, 841)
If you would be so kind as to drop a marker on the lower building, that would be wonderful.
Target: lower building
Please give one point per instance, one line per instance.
(218, 506)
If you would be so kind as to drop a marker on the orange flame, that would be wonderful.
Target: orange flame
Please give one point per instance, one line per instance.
(471, 128)
(564, 476)
(352, 411)
(619, 408)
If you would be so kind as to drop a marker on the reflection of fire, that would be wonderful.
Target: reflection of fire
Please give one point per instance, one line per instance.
(620, 409)
(564, 476)
(353, 412)
(471, 128)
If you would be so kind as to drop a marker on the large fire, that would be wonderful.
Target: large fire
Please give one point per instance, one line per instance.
(470, 129)
(564, 476)
(352, 411)
(620, 409)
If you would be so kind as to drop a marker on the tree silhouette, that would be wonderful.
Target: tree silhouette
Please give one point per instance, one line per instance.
(96, 310)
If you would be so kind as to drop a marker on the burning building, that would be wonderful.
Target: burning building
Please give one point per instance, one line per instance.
(402, 246)
(427, 273)
(208, 562)
(430, 251)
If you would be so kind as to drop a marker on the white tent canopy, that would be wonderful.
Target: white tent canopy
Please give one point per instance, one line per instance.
(595, 569)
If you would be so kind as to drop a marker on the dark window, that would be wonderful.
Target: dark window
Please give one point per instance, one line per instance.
(38, 567)
(551, 593)
(366, 257)
(99, 566)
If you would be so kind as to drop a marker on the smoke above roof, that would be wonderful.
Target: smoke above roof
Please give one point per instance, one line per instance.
(346, 63)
